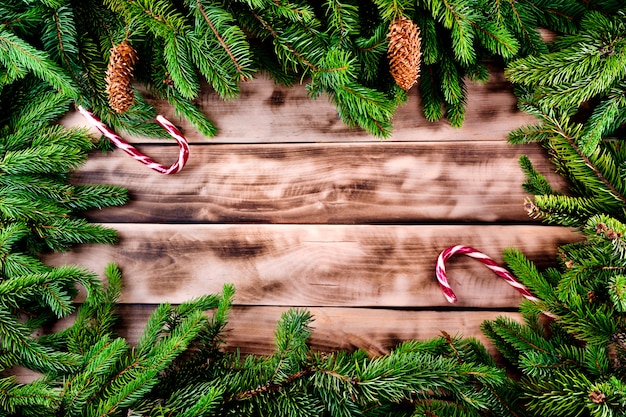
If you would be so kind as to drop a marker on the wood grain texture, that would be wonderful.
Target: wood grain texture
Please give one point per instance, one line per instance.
(268, 113)
(297, 210)
(314, 265)
(323, 183)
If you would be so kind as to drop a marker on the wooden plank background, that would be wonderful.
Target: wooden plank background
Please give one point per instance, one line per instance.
(299, 211)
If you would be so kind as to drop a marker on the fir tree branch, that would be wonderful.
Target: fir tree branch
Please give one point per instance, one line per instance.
(60, 36)
(36, 396)
(271, 386)
(19, 57)
(502, 43)
(285, 45)
(559, 128)
(462, 37)
(343, 18)
(32, 354)
(82, 389)
(593, 167)
(516, 13)
(221, 40)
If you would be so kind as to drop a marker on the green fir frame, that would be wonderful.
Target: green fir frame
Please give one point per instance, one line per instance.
(566, 359)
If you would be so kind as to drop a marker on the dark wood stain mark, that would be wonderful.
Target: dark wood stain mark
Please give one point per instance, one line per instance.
(273, 153)
(277, 99)
(239, 248)
(272, 287)
(488, 113)
(354, 189)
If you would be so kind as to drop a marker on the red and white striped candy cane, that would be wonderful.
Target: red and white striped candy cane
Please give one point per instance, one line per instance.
(440, 271)
(183, 153)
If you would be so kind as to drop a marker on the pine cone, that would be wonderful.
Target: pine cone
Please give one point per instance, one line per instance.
(404, 52)
(119, 77)
(617, 350)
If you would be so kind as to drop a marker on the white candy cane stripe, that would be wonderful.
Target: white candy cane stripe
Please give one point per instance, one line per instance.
(440, 271)
(183, 153)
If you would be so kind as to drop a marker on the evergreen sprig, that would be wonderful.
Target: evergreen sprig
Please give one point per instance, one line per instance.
(595, 176)
(36, 158)
(564, 358)
(585, 65)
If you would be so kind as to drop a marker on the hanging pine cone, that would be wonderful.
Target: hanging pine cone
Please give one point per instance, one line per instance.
(119, 77)
(404, 52)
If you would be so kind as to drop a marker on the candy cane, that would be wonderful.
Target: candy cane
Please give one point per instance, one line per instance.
(183, 153)
(440, 271)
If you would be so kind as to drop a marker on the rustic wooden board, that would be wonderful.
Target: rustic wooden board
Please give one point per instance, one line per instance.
(322, 183)
(314, 265)
(251, 329)
(269, 113)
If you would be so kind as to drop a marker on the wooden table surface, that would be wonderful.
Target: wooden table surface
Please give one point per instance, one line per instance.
(297, 210)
